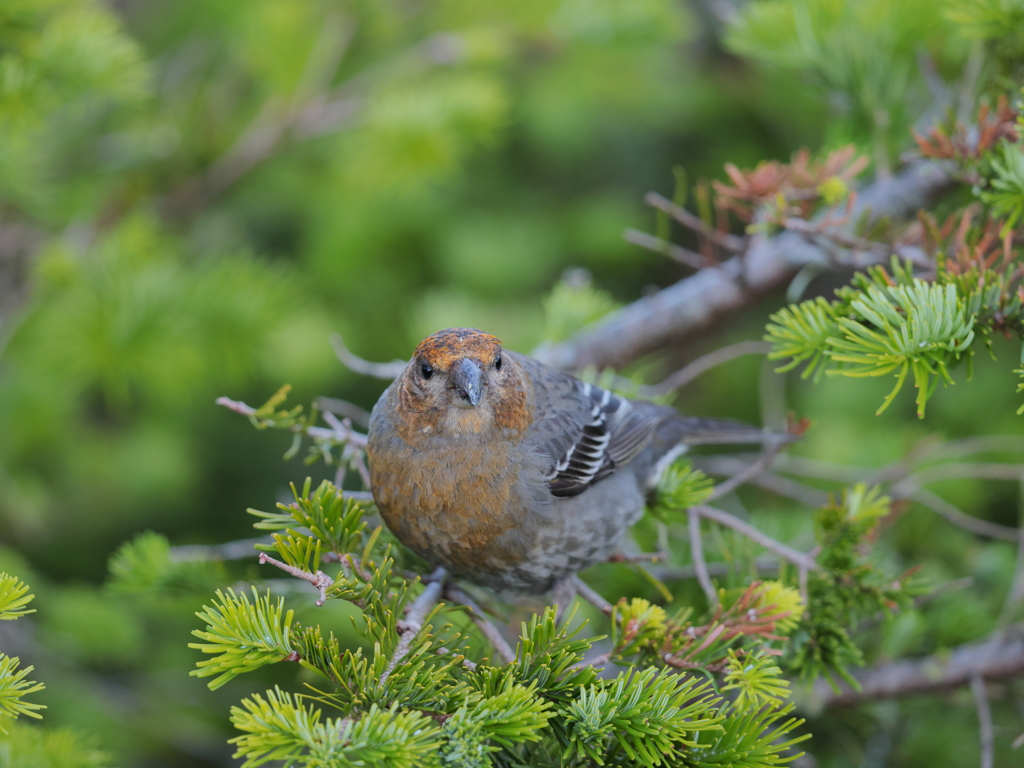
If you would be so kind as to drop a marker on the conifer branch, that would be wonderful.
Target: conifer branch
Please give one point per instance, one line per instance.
(416, 614)
(486, 627)
(342, 434)
(320, 580)
(766, 262)
(1000, 657)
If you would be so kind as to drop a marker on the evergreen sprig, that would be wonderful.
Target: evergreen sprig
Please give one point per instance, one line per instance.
(14, 687)
(410, 696)
(279, 727)
(680, 487)
(847, 588)
(647, 714)
(242, 636)
(13, 597)
(879, 327)
(14, 682)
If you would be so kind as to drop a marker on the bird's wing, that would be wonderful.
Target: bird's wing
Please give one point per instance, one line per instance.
(583, 430)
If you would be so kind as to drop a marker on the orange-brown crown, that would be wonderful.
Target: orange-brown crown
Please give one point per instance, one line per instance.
(452, 344)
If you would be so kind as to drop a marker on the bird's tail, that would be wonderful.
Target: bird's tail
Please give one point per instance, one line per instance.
(692, 430)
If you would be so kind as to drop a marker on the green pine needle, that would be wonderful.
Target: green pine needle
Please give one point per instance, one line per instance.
(244, 636)
(279, 727)
(13, 597)
(13, 687)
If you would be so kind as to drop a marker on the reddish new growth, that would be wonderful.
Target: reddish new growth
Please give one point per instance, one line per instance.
(684, 644)
(966, 144)
(798, 182)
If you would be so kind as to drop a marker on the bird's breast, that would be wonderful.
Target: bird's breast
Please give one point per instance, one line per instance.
(458, 503)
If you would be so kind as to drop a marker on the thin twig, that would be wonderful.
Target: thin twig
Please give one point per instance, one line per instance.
(230, 550)
(699, 565)
(801, 559)
(748, 472)
(357, 456)
(494, 637)
(728, 466)
(955, 516)
(320, 580)
(692, 370)
(344, 409)
(692, 304)
(664, 247)
(387, 371)
(340, 435)
(589, 594)
(1000, 657)
(718, 568)
(640, 557)
(691, 221)
(984, 720)
(415, 614)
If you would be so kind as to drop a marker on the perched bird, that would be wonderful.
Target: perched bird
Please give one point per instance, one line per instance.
(514, 474)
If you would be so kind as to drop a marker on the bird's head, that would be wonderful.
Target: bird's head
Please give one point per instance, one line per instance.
(463, 378)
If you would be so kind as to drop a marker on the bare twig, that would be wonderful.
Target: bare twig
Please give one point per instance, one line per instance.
(640, 557)
(670, 572)
(415, 614)
(589, 594)
(654, 322)
(955, 516)
(984, 720)
(747, 473)
(494, 637)
(691, 221)
(344, 409)
(692, 370)
(387, 371)
(357, 456)
(801, 559)
(230, 550)
(1000, 657)
(699, 565)
(320, 580)
(664, 247)
(784, 486)
(341, 434)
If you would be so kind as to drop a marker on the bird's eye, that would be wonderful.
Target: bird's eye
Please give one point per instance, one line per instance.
(426, 370)
(497, 363)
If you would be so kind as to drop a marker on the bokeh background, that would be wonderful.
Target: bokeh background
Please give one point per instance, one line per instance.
(195, 194)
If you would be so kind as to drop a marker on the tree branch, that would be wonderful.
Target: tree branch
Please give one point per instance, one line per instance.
(320, 580)
(651, 243)
(387, 371)
(700, 567)
(695, 302)
(985, 735)
(415, 614)
(801, 559)
(692, 370)
(491, 632)
(1001, 656)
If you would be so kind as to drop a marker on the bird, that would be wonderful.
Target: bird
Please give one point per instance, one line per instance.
(511, 473)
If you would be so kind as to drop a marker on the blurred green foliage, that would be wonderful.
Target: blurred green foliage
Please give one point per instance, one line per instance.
(194, 195)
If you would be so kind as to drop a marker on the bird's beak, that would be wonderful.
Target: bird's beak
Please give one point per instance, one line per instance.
(468, 380)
